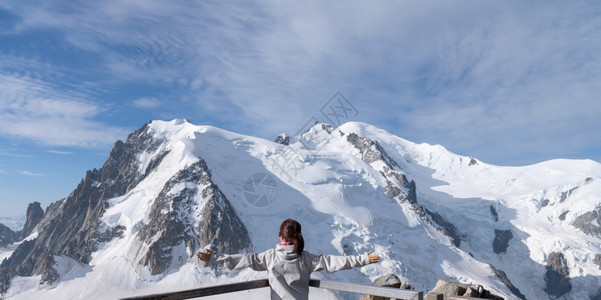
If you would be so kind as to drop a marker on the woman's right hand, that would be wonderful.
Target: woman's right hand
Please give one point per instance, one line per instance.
(206, 257)
(373, 259)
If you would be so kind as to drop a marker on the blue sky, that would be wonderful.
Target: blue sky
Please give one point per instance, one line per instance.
(508, 82)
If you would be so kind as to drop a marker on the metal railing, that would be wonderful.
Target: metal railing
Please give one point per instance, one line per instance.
(393, 293)
(255, 284)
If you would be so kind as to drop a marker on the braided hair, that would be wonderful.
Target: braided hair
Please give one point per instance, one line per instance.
(290, 231)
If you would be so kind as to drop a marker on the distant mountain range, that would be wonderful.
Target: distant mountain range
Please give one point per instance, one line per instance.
(14, 223)
(173, 188)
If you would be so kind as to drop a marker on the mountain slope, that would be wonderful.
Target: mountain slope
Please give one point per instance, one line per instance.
(173, 188)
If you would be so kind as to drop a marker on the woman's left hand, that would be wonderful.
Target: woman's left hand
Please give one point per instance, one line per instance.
(206, 257)
(373, 259)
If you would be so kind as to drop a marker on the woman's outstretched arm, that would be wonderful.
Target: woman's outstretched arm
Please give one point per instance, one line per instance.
(255, 261)
(333, 263)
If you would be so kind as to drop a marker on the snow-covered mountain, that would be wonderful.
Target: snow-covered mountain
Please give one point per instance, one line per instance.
(173, 188)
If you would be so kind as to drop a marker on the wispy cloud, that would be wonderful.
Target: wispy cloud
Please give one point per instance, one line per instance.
(60, 152)
(147, 102)
(34, 109)
(477, 77)
(516, 84)
(12, 153)
(27, 173)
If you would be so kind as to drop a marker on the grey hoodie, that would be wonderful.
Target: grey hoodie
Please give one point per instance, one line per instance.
(288, 272)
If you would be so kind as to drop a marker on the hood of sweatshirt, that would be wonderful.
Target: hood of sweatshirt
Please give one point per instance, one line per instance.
(286, 252)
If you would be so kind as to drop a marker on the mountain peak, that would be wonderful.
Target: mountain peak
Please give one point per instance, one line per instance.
(35, 213)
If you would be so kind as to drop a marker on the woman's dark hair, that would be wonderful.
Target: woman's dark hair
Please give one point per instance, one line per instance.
(290, 230)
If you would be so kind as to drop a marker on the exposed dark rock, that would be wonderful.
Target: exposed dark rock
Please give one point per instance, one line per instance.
(5, 277)
(478, 291)
(452, 288)
(7, 235)
(597, 260)
(563, 215)
(371, 150)
(46, 268)
(35, 213)
(221, 226)
(170, 224)
(155, 162)
(567, 194)
(501, 241)
(20, 253)
(503, 277)
(111, 233)
(392, 190)
(557, 275)
(494, 214)
(402, 179)
(473, 161)
(283, 139)
(446, 227)
(52, 212)
(21, 263)
(589, 223)
(412, 194)
(327, 128)
(389, 280)
(449, 288)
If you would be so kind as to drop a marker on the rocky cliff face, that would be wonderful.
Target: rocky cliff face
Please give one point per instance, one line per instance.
(174, 220)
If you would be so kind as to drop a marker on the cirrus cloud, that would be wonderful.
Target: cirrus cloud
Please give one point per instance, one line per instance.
(503, 81)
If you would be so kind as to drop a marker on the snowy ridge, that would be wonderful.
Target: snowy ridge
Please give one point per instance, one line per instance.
(351, 188)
